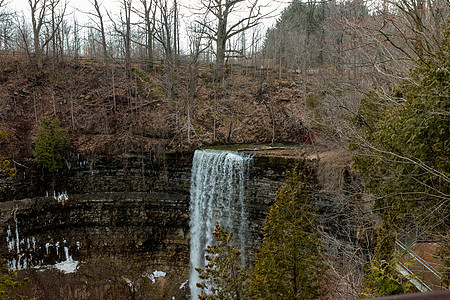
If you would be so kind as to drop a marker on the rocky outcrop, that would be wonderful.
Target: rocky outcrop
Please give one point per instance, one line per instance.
(121, 222)
(120, 218)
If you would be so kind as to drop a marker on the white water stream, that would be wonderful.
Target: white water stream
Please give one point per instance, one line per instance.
(217, 195)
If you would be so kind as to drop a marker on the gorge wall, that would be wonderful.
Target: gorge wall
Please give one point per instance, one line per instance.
(123, 222)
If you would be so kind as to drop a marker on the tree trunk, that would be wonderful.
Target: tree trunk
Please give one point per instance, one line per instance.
(149, 33)
(220, 60)
(37, 46)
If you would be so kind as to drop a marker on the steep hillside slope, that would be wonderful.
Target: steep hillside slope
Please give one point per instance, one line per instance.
(116, 115)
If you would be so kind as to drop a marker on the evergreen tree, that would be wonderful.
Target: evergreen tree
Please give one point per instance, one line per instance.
(4, 163)
(9, 285)
(383, 279)
(51, 140)
(289, 264)
(403, 155)
(224, 277)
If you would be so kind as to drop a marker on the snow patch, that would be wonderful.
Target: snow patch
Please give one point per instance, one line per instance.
(67, 266)
(130, 283)
(183, 285)
(154, 275)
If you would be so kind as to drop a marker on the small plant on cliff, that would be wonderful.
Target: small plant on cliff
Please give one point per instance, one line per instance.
(51, 141)
(9, 285)
(289, 264)
(223, 277)
(4, 163)
(383, 279)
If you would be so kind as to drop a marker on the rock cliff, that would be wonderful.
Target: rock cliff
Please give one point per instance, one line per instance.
(119, 226)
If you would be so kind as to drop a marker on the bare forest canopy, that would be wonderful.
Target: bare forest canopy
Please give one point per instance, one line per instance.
(146, 70)
(349, 35)
(145, 75)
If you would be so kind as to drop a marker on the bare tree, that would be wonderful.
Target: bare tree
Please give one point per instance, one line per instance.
(53, 24)
(39, 19)
(6, 27)
(123, 29)
(176, 34)
(148, 15)
(100, 27)
(76, 41)
(165, 36)
(24, 36)
(222, 27)
(196, 34)
(418, 23)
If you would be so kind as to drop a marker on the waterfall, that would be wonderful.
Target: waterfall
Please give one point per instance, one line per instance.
(217, 195)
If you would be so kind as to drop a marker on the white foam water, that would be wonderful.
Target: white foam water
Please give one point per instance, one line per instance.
(217, 195)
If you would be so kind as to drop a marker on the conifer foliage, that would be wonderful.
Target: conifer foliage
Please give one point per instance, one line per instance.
(9, 285)
(51, 141)
(289, 264)
(5, 165)
(383, 278)
(224, 276)
(404, 151)
(403, 155)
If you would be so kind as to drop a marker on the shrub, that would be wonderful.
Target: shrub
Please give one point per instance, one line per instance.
(51, 141)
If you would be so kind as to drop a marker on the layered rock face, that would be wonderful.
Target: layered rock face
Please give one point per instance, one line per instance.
(118, 227)
(119, 220)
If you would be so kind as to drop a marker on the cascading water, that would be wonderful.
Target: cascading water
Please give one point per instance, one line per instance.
(217, 195)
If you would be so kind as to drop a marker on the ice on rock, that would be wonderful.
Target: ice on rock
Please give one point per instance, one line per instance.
(60, 197)
(183, 285)
(154, 275)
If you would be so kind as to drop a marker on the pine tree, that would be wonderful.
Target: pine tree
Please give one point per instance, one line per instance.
(289, 264)
(224, 277)
(51, 140)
